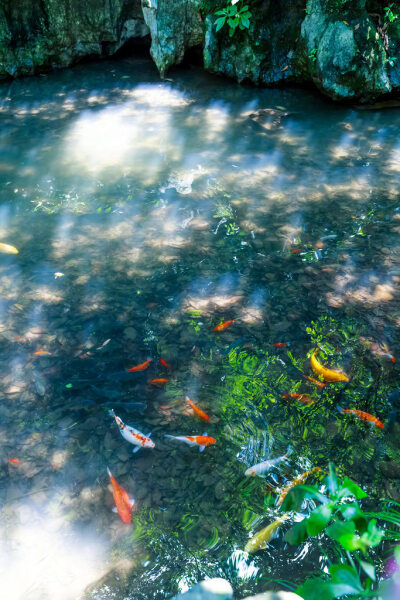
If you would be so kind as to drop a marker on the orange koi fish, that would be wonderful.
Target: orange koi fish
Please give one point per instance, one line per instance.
(160, 381)
(13, 460)
(315, 381)
(304, 398)
(223, 326)
(141, 367)
(327, 375)
(297, 250)
(43, 353)
(123, 504)
(281, 344)
(132, 435)
(164, 364)
(390, 356)
(194, 440)
(362, 415)
(18, 339)
(297, 481)
(200, 413)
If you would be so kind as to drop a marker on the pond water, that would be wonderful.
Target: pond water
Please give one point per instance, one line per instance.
(146, 213)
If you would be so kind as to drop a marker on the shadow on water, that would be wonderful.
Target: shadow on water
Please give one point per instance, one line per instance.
(145, 213)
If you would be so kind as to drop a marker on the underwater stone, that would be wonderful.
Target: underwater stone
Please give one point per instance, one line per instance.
(210, 589)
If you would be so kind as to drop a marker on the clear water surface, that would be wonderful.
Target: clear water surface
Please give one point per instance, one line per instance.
(145, 213)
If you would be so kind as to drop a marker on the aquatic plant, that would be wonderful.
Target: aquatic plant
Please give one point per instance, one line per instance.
(339, 516)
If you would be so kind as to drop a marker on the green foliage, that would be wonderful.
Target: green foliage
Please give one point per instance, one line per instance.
(337, 6)
(340, 516)
(235, 15)
(390, 15)
(313, 54)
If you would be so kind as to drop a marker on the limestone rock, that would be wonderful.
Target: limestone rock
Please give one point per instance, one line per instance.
(175, 26)
(343, 52)
(39, 36)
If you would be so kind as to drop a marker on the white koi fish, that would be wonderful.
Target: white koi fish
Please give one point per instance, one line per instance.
(132, 435)
(266, 465)
(194, 440)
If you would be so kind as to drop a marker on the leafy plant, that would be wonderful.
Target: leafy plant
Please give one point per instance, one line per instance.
(313, 54)
(340, 516)
(390, 16)
(234, 15)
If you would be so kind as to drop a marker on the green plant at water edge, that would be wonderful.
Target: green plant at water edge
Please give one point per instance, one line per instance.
(313, 54)
(340, 517)
(234, 15)
(390, 16)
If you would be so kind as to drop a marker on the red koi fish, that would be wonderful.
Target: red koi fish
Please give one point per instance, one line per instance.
(159, 381)
(43, 353)
(281, 344)
(18, 339)
(164, 364)
(362, 415)
(200, 413)
(315, 381)
(297, 250)
(304, 398)
(13, 460)
(141, 367)
(194, 440)
(223, 326)
(123, 504)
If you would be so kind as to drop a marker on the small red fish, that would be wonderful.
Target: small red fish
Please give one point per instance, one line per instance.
(43, 353)
(281, 344)
(13, 460)
(362, 415)
(200, 413)
(297, 250)
(223, 326)
(315, 381)
(18, 339)
(284, 68)
(141, 367)
(123, 503)
(159, 381)
(304, 398)
(164, 364)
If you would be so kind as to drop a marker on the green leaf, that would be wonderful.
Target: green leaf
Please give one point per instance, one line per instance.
(346, 575)
(297, 534)
(298, 493)
(396, 555)
(245, 22)
(373, 536)
(319, 519)
(340, 528)
(332, 479)
(368, 568)
(219, 23)
(354, 488)
(220, 12)
(315, 589)
(352, 512)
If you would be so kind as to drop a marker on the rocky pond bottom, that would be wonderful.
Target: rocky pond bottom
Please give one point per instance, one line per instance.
(145, 214)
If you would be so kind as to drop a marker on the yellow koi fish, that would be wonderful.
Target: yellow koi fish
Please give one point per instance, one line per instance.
(263, 537)
(297, 481)
(8, 249)
(326, 374)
